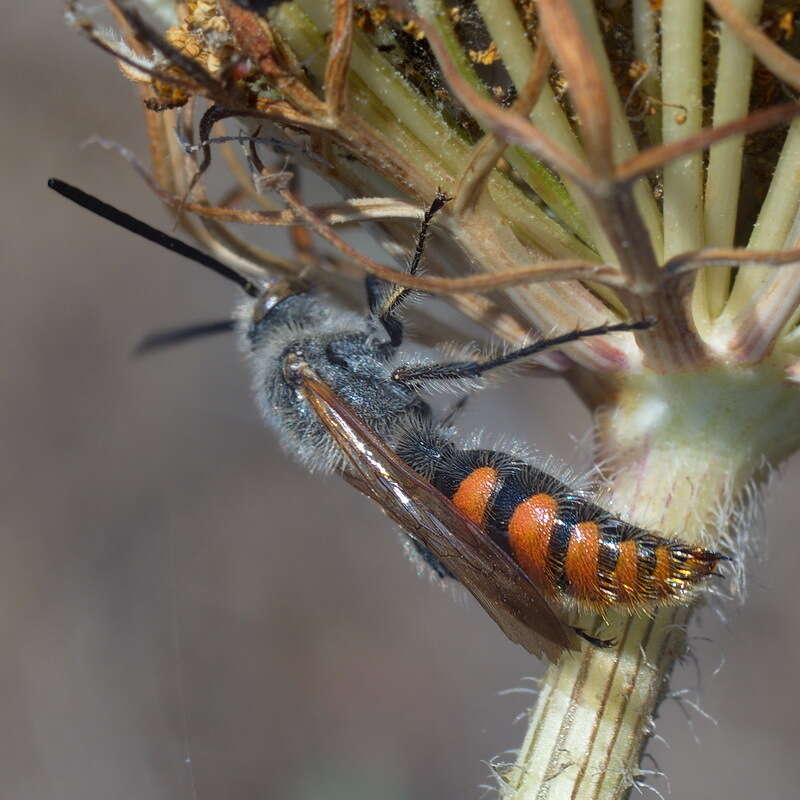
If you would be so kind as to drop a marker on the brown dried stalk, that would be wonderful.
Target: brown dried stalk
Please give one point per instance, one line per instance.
(588, 219)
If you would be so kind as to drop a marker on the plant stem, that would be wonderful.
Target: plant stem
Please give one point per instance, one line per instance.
(645, 40)
(773, 224)
(731, 100)
(681, 86)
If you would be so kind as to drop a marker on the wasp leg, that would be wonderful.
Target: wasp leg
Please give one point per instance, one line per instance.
(430, 559)
(454, 411)
(385, 300)
(603, 643)
(474, 369)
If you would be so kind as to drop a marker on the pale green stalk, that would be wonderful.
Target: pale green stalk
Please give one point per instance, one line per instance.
(504, 25)
(773, 225)
(724, 174)
(681, 85)
(307, 42)
(645, 42)
(793, 243)
(777, 215)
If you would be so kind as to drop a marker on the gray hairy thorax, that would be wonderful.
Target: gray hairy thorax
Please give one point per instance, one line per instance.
(347, 352)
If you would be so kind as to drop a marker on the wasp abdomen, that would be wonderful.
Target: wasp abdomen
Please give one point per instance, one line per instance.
(571, 548)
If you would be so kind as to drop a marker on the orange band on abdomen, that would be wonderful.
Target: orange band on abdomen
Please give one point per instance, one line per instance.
(474, 493)
(529, 532)
(580, 564)
(663, 571)
(626, 573)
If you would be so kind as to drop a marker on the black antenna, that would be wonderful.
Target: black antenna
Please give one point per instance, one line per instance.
(112, 214)
(185, 333)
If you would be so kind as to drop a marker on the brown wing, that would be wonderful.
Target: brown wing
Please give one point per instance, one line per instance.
(493, 577)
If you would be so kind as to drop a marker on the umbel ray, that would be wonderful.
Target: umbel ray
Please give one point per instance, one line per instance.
(530, 547)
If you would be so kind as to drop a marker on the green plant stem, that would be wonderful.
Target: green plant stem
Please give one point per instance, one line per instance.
(681, 87)
(772, 227)
(724, 174)
(645, 41)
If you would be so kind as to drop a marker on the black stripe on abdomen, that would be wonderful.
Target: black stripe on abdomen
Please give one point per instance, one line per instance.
(520, 481)
(557, 548)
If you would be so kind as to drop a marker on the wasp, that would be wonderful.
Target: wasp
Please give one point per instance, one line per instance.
(527, 545)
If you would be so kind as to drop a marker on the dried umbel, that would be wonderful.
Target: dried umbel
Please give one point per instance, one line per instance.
(607, 160)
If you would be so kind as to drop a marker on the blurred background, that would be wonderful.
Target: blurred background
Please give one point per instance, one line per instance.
(187, 614)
